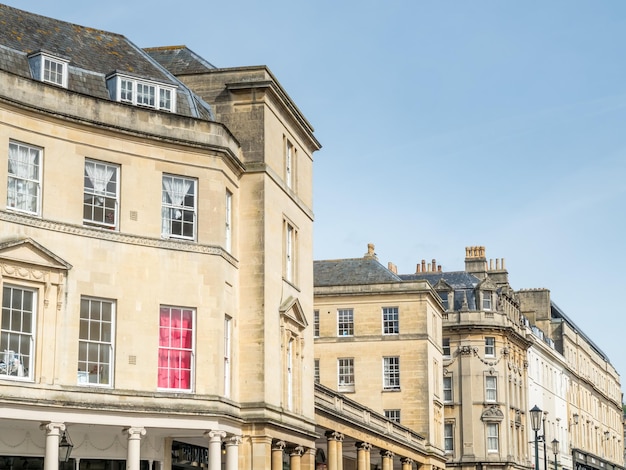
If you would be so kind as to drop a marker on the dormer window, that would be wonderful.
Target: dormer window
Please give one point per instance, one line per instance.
(49, 68)
(140, 92)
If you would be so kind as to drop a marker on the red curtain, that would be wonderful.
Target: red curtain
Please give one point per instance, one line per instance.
(175, 348)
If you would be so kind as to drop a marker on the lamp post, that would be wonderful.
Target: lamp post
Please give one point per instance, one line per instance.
(535, 424)
(543, 438)
(555, 451)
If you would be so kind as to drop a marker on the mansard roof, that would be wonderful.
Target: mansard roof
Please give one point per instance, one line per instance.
(455, 279)
(350, 272)
(179, 60)
(92, 55)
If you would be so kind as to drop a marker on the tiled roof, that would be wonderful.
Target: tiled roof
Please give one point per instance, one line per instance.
(93, 54)
(346, 272)
(179, 60)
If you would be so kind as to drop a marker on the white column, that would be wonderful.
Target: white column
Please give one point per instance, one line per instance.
(277, 454)
(215, 449)
(133, 456)
(232, 452)
(51, 457)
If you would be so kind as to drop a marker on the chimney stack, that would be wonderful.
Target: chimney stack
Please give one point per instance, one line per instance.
(370, 252)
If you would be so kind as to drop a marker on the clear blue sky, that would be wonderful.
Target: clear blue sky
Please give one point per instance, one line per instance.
(444, 124)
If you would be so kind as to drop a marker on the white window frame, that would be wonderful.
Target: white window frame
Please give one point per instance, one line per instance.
(290, 374)
(393, 415)
(391, 320)
(228, 241)
(345, 374)
(142, 93)
(104, 193)
(491, 388)
(175, 208)
(289, 156)
(448, 395)
(96, 370)
(316, 371)
(445, 346)
(49, 68)
(24, 175)
(490, 346)
(345, 322)
(487, 299)
(290, 241)
(448, 438)
(17, 364)
(191, 350)
(493, 438)
(227, 355)
(316, 323)
(391, 373)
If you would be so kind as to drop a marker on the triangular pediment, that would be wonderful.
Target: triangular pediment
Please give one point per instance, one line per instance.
(292, 309)
(443, 285)
(27, 252)
(487, 284)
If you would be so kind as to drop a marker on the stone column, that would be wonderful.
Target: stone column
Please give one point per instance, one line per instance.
(215, 449)
(133, 455)
(340, 452)
(308, 459)
(362, 451)
(232, 452)
(333, 438)
(387, 457)
(277, 455)
(295, 456)
(407, 463)
(51, 456)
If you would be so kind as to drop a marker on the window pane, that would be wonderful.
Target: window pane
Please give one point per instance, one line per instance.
(23, 185)
(16, 338)
(100, 199)
(175, 348)
(178, 207)
(95, 346)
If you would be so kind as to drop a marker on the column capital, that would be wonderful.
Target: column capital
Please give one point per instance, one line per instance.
(215, 435)
(296, 451)
(52, 428)
(334, 436)
(406, 460)
(233, 440)
(363, 445)
(386, 453)
(135, 432)
(278, 445)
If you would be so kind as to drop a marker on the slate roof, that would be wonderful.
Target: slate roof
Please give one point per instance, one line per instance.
(93, 54)
(463, 283)
(179, 60)
(351, 272)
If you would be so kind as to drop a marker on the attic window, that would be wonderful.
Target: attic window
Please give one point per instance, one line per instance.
(49, 68)
(142, 92)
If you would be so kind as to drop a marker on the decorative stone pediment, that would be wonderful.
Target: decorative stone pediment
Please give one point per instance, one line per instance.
(27, 253)
(492, 414)
(292, 311)
(487, 284)
(442, 285)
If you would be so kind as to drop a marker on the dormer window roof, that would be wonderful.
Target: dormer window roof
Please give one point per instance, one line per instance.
(141, 92)
(49, 68)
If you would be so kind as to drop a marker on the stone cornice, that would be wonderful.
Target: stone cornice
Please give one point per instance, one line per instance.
(118, 237)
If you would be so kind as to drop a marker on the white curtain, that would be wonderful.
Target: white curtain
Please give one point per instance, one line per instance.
(99, 176)
(24, 165)
(174, 192)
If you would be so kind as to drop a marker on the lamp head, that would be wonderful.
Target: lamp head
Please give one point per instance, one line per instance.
(555, 446)
(65, 447)
(535, 418)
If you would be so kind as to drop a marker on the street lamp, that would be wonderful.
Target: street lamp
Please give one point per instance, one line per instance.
(535, 424)
(65, 447)
(555, 451)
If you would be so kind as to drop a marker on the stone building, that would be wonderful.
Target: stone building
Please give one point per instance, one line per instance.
(590, 425)
(484, 374)
(502, 352)
(155, 258)
(377, 341)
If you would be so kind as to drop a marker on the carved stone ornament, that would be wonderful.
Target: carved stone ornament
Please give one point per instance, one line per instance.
(492, 414)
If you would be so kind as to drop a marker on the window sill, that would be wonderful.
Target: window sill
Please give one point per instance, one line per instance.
(391, 390)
